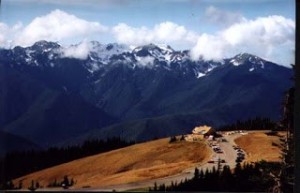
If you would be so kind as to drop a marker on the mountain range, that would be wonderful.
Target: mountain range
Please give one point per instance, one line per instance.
(55, 95)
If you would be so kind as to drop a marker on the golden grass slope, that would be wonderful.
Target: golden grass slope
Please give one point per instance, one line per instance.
(260, 146)
(135, 163)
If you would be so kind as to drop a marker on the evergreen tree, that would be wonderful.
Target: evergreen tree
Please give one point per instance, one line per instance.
(55, 184)
(219, 166)
(32, 187)
(20, 186)
(65, 183)
(182, 138)
(196, 174)
(238, 170)
(72, 182)
(172, 139)
(172, 185)
(286, 175)
(155, 187)
(10, 185)
(162, 188)
(201, 175)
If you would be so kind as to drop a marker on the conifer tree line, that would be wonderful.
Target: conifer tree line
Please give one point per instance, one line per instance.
(257, 123)
(66, 182)
(286, 178)
(17, 164)
(246, 178)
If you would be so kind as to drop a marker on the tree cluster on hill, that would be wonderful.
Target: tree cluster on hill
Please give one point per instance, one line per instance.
(65, 183)
(16, 164)
(286, 178)
(246, 178)
(174, 139)
(251, 124)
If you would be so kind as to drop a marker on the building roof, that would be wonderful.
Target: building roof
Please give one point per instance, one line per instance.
(202, 130)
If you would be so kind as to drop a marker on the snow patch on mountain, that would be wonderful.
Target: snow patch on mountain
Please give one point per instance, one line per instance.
(200, 74)
(251, 69)
(28, 57)
(93, 67)
(234, 62)
(211, 67)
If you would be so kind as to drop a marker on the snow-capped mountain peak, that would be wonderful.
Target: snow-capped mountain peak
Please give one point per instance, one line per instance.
(103, 53)
(152, 49)
(245, 57)
(254, 62)
(95, 57)
(44, 46)
(165, 48)
(158, 52)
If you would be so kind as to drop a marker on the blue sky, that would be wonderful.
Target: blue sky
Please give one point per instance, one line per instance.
(210, 28)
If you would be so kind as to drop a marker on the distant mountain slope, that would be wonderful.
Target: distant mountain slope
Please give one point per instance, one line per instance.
(55, 117)
(228, 93)
(51, 95)
(35, 110)
(9, 142)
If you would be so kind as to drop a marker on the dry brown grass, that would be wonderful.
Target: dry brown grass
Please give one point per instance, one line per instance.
(139, 162)
(260, 146)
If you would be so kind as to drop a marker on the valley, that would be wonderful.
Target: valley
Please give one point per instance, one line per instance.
(139, 94)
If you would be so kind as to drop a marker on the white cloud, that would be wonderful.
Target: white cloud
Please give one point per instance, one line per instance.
(3, 32)
(163, 33)
(80, 51)
(271, 37)
(147, 61)
(7, 34)
(56, 26)
(209, 47)
(221, 17)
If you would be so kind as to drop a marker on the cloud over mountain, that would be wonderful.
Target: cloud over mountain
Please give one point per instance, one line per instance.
(162, 33)
(271, 37)
(79, 51)
(55, 26)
